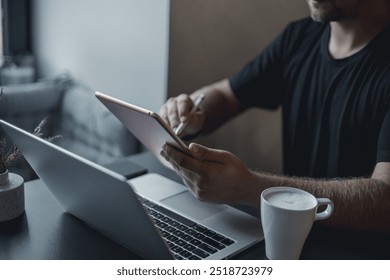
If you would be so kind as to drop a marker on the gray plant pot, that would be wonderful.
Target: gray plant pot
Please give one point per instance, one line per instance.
(11, 196)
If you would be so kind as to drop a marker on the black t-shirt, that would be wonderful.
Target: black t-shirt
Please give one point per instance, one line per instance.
(336, 113)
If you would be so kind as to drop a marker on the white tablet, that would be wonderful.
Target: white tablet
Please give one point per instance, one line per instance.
(145, 125)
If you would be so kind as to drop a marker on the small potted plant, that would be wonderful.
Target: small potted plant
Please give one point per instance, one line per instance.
(11, 184)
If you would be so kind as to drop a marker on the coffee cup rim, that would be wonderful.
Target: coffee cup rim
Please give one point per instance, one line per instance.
(276, 188)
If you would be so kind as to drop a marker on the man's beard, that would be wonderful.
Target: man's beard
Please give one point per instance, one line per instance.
(327, 11)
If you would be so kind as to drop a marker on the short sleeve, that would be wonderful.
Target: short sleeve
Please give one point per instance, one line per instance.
(258, 84)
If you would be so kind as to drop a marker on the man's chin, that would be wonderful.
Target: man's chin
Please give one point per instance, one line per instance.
(320, 18)
(328, 19)
(322, 11)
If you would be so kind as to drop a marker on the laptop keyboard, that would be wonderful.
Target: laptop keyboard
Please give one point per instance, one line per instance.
(185, 238)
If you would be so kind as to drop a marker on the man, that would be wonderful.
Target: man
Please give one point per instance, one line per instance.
(331, 75)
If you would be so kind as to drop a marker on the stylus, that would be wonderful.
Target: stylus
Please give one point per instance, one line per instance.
(197, 103)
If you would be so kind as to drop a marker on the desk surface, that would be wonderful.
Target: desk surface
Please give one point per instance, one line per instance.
(46, 232)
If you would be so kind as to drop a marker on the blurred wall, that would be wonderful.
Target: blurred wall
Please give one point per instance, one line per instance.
(121, 47)
(211, 40)
(116, 46)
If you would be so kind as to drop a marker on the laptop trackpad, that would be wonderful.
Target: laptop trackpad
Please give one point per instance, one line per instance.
(187, 204)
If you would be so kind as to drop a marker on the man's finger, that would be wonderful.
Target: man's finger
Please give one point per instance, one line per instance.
(172, 113)
(185, 161)
(184, 104)
(203, 153)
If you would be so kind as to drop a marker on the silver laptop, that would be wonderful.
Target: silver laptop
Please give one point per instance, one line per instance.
(154, 217)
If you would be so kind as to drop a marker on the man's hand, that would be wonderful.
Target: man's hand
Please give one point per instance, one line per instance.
(212, 175)
(177, 110)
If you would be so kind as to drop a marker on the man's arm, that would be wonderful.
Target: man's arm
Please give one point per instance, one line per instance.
(219, 106)
(220, 177)
(360, 203)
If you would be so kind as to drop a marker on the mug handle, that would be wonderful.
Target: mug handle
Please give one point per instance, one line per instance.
(327, 212)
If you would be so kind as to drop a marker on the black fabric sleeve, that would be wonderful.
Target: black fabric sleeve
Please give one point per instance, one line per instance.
(258, 83)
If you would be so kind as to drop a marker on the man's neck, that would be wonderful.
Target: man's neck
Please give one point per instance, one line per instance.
(349, 36)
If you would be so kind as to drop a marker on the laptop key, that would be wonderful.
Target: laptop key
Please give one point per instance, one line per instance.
(166, 219)
(187, 237)
(227, 241)
(178, 233)
(157, 215)
(161, 225)
(207, 248)
(172, 238)
(189, 247)
(191, 231)
(180, 242)
(165, 234)
(174, 223)
(200, 253)
(149, 204)
(185, 254)
(209, 233)
(182, 227)
(176, 249)
(218, 237)
(195, 242)
(199, 228)
(199, 236)
(170, 229)
(213, 243)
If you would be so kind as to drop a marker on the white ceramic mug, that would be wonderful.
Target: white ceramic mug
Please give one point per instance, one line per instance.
(287, 215)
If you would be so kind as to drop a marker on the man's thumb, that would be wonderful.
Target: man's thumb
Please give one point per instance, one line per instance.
(203, 153)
